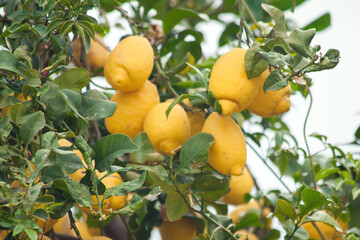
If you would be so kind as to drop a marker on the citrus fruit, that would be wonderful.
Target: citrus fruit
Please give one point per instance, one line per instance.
(239, 186)
(228, 153)
(326, 230)
(245, 235)
(131, 110)
(196, 117)
(46, 226)
(230, 84)
(98, 238)
(183, 229)
(110, 204)
(63, 226)
(167, 134)
(270, 103)
(130, 64)
(96, 56)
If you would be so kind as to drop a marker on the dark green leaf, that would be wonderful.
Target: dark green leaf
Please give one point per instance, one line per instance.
(229, 34)
(250, 220)
(54, 25)
(146, 152)
(125, 187)
(174, 16)
(284, 211)
(95, 105)
(74, 79)
(32, 124)
(40, 157)
(79, 192)
(274, 81)
(68, 160)
(300, 41)
(175, 206)
(194, 153)
(274, 58)
(34, 192)
(328, 61)
(320, 23)
(8, 62)
(321, 216)
(325, 172)
(5, 126)
(176, 101)
(109, 147)
(41, 213)
(312, 199)
(210, 186)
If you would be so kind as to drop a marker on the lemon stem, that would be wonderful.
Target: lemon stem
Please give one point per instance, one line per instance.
(241, 22)
(306, 142)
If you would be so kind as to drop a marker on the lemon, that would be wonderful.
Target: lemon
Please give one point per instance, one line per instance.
(228, 153)
(183, 229)
(245, 235)
(167, 134)
(63, 226)
(196, 117)
(130, 64)
(239, 186)
(327, 231)
(114, 202)
(271, 103)
(97, 54)
(46, 226)
(98, 238)
(230, 84)
(131, 110)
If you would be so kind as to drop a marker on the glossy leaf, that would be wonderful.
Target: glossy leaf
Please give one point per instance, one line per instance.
(250, 220)
(312, 199)
(74, 79)
(194, 153)
(109, 147)
(95, 105)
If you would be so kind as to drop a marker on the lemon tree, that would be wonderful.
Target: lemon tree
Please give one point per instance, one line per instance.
(152, 135)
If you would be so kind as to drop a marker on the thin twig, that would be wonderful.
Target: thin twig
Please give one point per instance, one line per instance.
(73, 226)
(253, 19)
(130, 21)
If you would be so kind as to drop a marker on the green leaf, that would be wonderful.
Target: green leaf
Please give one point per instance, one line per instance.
(300, 41)
(31, 234)
(284, 211)
(40, 157)
(320, 23)
(95, 105)
(274, 58)
(355, 192)
(66, 28)
(312, 199)
(210, 186)
(175, 206)
(174, 16)
(254, 63)
(125, 187)
(229, 34)
(274, 81)
(325, 172)
(5, 126)
(8, 62)
(32, 124)
(250, 220)
(146, 152)
(176, 101)
(67, 160)
(33, 192)
(41, 213)
(74, 79)
(109, 147)
(194, 153)
(280, 28)
(321, 216)
(54, 24)
(328, 61)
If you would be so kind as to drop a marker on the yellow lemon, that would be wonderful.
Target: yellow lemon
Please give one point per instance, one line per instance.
(228, 153)
(271, 103)
(114, 202)
(183, 229)
(327, 231)
(243, 209)
(245, 235)
(96, 56)
(230, 84)
(130, 64)
(167, 134)
(98, 238)
(46, 226)
(63, 226)
(131, 110)
(239, 186)
(196, 117)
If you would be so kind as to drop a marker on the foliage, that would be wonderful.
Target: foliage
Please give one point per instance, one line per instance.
(60, 101)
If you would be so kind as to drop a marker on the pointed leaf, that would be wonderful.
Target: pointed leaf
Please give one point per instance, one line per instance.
(312, 199)
(321, 216)
(274, 81)
(32, 124)
(300, 41)
(95, 105)
(254, 63)
(278, 16)
(175, 206)
(320, 23)
(74, 79)
(284, 211)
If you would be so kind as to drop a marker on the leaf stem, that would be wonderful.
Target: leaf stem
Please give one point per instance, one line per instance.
(305, 139)
(268, 166)
(239, 4)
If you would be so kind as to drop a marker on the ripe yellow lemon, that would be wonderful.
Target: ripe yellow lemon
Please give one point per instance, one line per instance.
(130, 64)
(271, 103)
(326, 230)
(46, 226)
(96, 56)
(167, 134)
(196, 117)
(239, 186)
(228, 153)
(98, 238)
(245, 235)
(63, 226)
(114, 202)
(183, 229)
(230, 84)
(131, 110)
